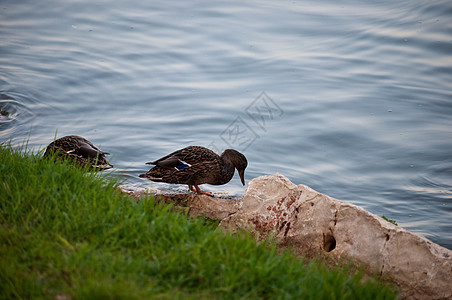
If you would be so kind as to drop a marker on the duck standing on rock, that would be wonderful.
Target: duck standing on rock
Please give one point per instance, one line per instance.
(195, 165)
(79, 149)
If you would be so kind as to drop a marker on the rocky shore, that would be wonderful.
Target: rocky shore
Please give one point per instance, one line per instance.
(314, 224)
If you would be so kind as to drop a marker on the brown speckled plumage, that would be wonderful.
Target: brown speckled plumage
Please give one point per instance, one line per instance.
(195, 165)
(79, 149)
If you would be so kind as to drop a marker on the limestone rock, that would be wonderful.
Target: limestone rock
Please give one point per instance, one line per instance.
(316, 224)
(215, 208)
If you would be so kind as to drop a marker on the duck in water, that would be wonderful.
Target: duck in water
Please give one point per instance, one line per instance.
(196, 165)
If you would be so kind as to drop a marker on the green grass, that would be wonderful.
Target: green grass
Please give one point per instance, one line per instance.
(390, 221)
(68, 233)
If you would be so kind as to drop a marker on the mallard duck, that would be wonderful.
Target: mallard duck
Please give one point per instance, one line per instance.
(195, 165)
(82, 151)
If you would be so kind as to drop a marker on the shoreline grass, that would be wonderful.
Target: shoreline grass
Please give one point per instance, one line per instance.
(68, 234)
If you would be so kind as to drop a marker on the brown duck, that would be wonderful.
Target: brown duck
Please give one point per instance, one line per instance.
(79, 149)
(196, 165)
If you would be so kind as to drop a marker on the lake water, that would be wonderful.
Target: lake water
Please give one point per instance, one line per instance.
(351, 99)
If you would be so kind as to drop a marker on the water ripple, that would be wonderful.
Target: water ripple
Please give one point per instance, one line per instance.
(14, 113)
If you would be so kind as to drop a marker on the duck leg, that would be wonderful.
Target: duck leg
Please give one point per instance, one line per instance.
(198, 190)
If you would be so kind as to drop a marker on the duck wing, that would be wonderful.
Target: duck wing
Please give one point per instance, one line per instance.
(87, 150)
(194, 174)
(190, 165)
(186, 157)
(74, 146)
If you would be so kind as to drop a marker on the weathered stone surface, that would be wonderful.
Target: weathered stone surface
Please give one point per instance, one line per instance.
(313, 224)
(215, 208)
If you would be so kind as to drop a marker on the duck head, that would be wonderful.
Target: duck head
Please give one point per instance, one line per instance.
(238, 160)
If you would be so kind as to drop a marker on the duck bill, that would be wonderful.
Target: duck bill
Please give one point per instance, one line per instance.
(242, 176)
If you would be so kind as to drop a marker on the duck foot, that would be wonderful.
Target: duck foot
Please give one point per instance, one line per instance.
(199, 191)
